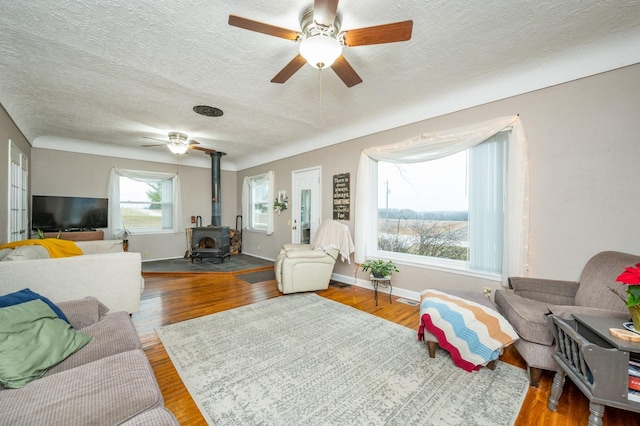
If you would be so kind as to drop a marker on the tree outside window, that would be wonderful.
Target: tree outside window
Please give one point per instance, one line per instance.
(142, 205)
(449, 208)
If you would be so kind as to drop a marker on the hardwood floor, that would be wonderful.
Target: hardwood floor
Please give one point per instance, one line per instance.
(171, 298)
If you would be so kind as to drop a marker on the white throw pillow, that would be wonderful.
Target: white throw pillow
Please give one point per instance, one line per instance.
(27, 253)
(5, 252)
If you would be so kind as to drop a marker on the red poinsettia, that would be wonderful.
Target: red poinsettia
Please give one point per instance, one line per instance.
(631, 277)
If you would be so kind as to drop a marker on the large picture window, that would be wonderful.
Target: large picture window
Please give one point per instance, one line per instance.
(450, 208)
(454, 199)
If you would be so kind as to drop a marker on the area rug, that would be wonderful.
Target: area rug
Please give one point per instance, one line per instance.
(303, 359)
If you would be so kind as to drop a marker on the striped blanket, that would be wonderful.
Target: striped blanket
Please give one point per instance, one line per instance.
(473, 334)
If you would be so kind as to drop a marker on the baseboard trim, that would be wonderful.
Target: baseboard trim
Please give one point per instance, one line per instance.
(400, 292)
(258, 256)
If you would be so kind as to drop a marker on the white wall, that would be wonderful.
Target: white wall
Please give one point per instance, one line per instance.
(83, 175)
(584, 145)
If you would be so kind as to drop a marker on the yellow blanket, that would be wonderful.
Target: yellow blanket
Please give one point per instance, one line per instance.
(55, 247)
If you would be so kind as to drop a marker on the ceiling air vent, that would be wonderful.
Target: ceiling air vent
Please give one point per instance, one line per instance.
(208, 111)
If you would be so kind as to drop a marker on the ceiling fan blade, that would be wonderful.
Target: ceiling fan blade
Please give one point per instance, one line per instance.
(387, 33)
(324, 11)
(155, 139)
(289, 69)
(192, 142)
(346, 73)
(151, 146)
(203, 149)
(263, 28)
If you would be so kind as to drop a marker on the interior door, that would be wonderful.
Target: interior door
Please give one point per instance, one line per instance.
(306, 205)
(18, 195)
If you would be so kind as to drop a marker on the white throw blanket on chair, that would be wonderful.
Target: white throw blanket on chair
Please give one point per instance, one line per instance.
(334, 235)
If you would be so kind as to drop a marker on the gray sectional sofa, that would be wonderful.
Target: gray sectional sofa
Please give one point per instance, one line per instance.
(107, 382)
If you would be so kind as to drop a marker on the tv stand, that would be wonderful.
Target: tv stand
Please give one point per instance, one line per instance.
(77, 235)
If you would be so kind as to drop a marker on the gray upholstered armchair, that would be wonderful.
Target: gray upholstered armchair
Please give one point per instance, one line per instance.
(533, 299)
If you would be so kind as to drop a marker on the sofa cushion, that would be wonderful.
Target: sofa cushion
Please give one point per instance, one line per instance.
(53, 246)
(27, 253)
(83, 312)
(100, 246)
(567, 312)
(527, 316)
(112, 335)
(598, 275)
(5, 252)
(26, 295)
(157, 417)
(109, 391)
(32, 339)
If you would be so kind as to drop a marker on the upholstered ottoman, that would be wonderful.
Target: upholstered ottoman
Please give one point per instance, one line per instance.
(475, 317)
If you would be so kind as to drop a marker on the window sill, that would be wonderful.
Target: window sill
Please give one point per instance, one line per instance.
(255, 231)
(448, 266)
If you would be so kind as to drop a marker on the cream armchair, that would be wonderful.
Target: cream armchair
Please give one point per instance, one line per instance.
(301, 268)
(308, 267)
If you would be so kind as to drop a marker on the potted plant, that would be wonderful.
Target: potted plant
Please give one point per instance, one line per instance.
(379, 268)
(631, 278)
(42, 236)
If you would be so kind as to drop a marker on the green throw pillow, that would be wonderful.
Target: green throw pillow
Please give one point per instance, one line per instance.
(32, 339)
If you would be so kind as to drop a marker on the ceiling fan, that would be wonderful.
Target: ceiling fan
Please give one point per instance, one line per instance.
(321, 40)
(180, 144)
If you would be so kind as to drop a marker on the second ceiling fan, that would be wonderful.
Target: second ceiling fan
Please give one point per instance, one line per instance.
(321, 40)
(179, 144)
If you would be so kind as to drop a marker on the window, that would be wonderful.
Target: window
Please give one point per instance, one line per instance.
(146, 205)
(450, 208)
(497, 188)
(145, 202)
(259, 202)
(257, 195)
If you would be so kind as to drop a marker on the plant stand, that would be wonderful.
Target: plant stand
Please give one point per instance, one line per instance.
(384, 282)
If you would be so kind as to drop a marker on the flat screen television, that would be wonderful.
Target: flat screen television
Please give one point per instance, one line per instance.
(53, 213)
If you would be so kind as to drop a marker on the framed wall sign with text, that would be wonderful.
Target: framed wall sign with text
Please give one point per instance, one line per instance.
(341, 196)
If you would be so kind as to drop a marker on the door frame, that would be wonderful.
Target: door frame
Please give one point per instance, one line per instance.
(17, 194)
(316, 202)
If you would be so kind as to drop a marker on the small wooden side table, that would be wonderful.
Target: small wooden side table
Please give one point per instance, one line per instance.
(384, 282)
(595, 361)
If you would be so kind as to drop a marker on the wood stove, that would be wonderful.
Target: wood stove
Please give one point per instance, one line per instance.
(210, 242)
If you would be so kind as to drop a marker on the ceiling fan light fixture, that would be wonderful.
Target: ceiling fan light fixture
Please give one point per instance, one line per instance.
(320, 51)
(178, 143)
(178, 149)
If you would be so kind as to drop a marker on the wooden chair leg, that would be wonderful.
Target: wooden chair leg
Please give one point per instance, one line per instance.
(432, 349)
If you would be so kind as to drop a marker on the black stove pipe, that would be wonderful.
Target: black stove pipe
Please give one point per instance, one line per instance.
(216, 207)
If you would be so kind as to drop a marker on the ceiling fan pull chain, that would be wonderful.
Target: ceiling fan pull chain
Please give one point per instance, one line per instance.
(320, 89)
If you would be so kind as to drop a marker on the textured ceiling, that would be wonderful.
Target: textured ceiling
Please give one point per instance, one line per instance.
(102, 76)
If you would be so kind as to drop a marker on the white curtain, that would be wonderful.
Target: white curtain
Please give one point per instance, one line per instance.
(173, 196)
(487, 176)
(247, 188)
(441, 144)
(246, 199)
